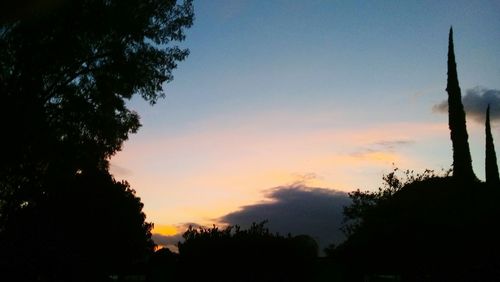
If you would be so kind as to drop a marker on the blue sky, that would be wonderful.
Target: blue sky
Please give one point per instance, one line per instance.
(324, 93)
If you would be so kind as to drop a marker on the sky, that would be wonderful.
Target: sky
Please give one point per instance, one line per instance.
(282, 107)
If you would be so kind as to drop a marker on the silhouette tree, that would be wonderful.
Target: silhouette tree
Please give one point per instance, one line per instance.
(491, 166)
(67, 69)
(66, 72)
(462, 162)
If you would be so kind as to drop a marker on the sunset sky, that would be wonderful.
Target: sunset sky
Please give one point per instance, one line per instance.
(287, 98)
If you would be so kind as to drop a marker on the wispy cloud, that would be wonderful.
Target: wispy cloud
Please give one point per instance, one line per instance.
(384, 149)
(475, 102)
(393, 144)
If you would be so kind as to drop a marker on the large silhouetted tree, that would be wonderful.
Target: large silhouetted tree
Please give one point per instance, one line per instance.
(67, 70)
(491, 166)
(462, 162)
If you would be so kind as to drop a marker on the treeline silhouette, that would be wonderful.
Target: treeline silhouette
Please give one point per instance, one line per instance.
(67, 69)
(236, 254)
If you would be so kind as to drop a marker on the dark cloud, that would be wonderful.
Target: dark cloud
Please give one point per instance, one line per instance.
(475, 102)
(297, 209)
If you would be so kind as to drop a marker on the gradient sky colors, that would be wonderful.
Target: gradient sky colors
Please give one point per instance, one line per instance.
(323, 93)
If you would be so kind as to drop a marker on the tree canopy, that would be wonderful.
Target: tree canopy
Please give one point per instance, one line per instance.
(88, 227)
(67, 70)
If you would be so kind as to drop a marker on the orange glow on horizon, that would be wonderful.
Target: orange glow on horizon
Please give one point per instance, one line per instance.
(167, 230)
(199, 176)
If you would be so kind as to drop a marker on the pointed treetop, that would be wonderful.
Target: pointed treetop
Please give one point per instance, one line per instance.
(450, 43)
(462, 161)
(452, 65)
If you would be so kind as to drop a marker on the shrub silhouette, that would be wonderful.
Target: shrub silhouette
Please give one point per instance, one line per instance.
(435, 229)
(254, 254)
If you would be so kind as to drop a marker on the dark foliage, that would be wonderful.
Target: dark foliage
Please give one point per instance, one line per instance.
(66, 72)
(462, 161)
(254, 254)
(67, 69)
(164, 266)
(88, 227)
(365, 202)
(430, 229)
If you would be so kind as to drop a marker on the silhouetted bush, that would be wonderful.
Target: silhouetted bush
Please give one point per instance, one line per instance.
(164, 266)
(254, 254)
(433, 229)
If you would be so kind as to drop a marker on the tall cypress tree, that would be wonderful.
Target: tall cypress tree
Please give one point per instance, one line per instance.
(462, 162)
(491, 166)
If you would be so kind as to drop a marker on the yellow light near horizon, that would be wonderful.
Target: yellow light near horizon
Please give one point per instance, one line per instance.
(167, 230)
